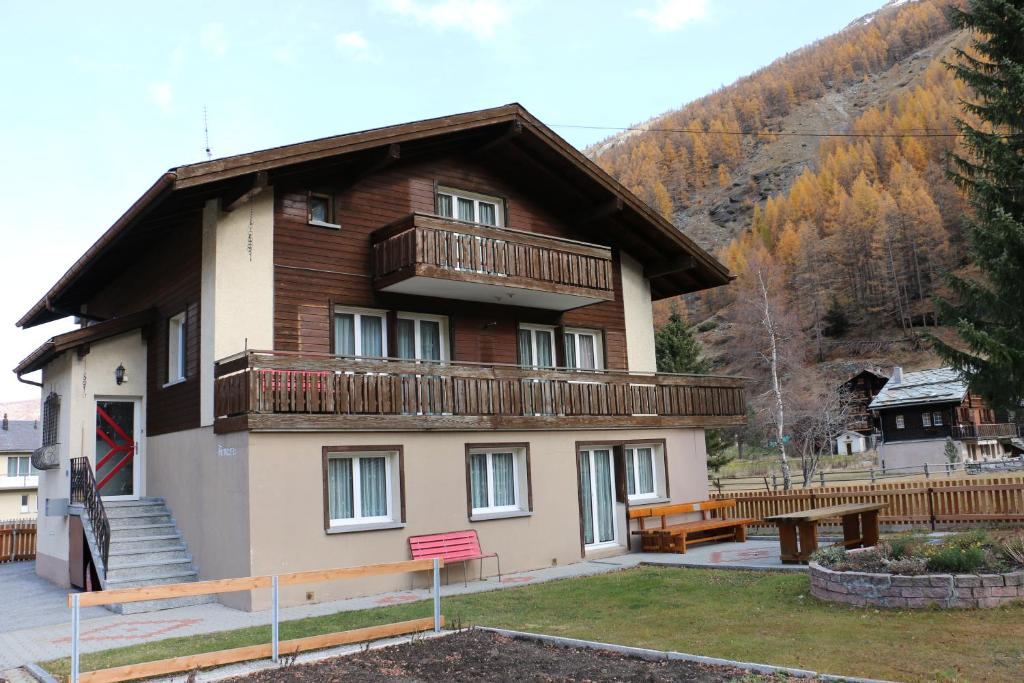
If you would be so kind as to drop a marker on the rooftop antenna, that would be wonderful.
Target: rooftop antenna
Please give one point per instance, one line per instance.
(206, 133)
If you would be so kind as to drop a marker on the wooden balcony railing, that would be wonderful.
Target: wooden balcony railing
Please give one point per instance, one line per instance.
(984, 431)
(424, 246)
(260, 390)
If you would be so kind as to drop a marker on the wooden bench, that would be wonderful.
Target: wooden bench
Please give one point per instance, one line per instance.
(453, 546)
(674, 538)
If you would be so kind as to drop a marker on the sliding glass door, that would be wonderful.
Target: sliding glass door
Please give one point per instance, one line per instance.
(597, 494)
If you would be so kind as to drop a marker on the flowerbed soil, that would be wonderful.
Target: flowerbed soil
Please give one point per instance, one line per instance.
(481, 656)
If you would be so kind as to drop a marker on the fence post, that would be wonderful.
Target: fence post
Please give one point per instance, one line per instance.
(926, 471)
(437, 595)
(274, 619)
(14, 543)
(931, 506)
(872, 475)
(775, 485)
(821, 477)
(74, 638)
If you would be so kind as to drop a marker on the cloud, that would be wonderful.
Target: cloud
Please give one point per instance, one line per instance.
(161, 94)
(669, 15)
(478, 17)
(353, 40)
(214, 40)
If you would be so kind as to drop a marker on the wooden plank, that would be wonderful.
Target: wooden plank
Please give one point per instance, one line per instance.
(319, 576)
(171, 590)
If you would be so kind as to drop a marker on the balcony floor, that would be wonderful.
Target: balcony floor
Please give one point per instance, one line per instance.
(488, 293)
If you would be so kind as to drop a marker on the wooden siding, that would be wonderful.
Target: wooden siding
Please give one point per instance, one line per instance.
(315, 268)
(166, 278)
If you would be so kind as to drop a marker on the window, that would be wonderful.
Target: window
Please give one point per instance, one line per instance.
(321, 210)
(422, 337)
(900, 424)
(176, 348)
(498, 480)
(583, 349)
(470, 207)
(926, 419)
(51, 419)
(362, 487)
(20, 467)
(24, 504)
(536, 346)
(360, 333)
(937, 419)
(645, 472)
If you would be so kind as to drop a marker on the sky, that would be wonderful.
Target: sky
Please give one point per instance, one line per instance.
(100, 98)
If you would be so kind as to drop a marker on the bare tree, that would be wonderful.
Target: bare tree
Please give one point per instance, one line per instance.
(827, 409)
(772, 332)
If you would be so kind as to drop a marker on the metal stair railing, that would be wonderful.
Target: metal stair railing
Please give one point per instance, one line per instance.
(83, 490)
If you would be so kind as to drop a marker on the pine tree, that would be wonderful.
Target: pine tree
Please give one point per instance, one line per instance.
(987, 310)
(677, 350)
(836, 322)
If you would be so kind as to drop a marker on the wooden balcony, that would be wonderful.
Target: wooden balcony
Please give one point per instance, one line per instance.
(433, 256)
(985, 431)
(269, 391)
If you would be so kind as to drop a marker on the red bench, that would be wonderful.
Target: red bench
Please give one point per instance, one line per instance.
(454, 546)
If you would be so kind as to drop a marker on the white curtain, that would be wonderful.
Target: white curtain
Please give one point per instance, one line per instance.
(525, 349)
(344, 334)
(478, 479)
(373, 487)
(645, 467)
(430, 340)
(630, 476)
(339, 488)
(588, 499)
(487, 214)
(587, 359)
(605, 508)
(406, 338)
(544, 346)
(466, 210)
(372, 332)
(444, 205)
(570, 350)
(503, 467)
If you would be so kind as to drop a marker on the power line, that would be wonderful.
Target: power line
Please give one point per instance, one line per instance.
(925, 132)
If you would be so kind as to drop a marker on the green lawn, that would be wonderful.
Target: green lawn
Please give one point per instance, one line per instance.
(750, 616)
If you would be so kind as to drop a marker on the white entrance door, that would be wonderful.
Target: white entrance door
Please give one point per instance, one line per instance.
(116, 462)
(597, 493)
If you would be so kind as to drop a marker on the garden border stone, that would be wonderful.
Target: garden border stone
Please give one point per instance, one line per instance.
(962, 591)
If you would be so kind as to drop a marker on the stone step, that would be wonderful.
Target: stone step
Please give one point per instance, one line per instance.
(122, 511)
(128, 522)
(154, 542)
(180, 567)
(153, 500)
(141, 530)
(181, 576)
(119, 559)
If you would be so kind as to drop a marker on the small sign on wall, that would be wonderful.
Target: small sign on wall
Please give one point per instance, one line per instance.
(226, 451)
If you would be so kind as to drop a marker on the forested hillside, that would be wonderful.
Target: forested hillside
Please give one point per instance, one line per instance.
(830, 164)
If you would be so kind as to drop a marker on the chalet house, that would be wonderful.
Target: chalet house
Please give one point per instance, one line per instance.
(18, 478)
(918, 411)
(300, 357)
(862, 389)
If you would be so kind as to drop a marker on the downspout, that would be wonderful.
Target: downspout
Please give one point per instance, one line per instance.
(28, 381)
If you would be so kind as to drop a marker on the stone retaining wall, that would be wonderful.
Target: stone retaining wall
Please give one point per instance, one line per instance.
(942, 590)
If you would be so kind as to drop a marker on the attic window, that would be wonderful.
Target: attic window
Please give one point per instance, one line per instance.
(321, 210)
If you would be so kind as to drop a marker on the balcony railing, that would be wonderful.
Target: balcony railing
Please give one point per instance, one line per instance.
(433, 256)
(985, 431)
(260, 390)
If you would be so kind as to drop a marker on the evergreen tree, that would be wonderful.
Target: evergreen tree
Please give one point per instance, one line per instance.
(988, 311)
(836, 322)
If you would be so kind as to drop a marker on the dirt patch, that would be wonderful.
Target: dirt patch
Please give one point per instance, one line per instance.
(482, 656)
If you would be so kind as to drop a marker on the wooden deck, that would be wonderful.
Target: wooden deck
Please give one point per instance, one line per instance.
(269, 391)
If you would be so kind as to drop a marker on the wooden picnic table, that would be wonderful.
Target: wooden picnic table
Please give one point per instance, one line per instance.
(860, 528)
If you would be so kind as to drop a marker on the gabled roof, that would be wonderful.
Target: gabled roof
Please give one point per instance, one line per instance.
(55, 346)
(21, 436)
(675, 263)
(939, 385)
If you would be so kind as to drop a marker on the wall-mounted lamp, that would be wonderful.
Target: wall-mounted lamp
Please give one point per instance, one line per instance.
(119, 374)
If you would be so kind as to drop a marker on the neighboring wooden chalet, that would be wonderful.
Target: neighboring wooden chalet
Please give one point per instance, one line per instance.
(313, 352)
(918, 411)
(862, 389)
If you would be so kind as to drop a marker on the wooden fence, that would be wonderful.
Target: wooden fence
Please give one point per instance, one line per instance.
(17, 541)
(951, 501)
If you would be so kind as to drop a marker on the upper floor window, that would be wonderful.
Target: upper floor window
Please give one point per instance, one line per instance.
(176, 348)
(537, 346)
(360, 332)
(20, 467)
(470, 206)
(321, 210)
(422, 337)
(583, 349)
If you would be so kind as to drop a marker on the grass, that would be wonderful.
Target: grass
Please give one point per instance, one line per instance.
(749, 616)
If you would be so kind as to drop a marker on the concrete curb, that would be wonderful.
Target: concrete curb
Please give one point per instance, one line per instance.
(645, 653)
(39, 673)
(727, 567)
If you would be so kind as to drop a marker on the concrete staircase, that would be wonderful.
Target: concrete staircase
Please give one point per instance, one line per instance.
(146, 549)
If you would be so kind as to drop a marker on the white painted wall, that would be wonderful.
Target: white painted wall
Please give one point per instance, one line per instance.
(237, 294)
(639, 316)
(858, 443)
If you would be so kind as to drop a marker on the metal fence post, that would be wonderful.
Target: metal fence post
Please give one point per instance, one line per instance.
(872, 475)
(926, 470)
(14, 543)
(274, 634)
(821, 476)
(437, 595)
(74, 638)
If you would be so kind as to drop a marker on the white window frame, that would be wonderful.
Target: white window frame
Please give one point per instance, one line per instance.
(176, 348)
(590, 452)
(357, 503)
(533, 329)
(598, 338)
(417, 318)
(518, 470)
(901, 423)
(476, 198)
(937, 419)
(329, 199)
(24, 503)
(657, 472)
(357, 329)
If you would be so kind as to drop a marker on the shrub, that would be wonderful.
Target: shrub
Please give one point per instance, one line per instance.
(828, 556)
(906, 545)
(707, 326)
(866, 560)
(950, 559)
(976, 538)
(1013, 550)
(909, 566)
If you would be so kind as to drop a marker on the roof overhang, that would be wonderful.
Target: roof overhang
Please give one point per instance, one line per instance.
(55, 346)
(673, 262)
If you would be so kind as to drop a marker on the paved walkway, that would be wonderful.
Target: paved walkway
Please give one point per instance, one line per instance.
(102, 630)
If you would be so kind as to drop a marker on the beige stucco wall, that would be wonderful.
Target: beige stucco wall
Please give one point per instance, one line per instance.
(237, 288)
(10, 504)
(79, 382)
(639, 316)
(916, 453)
(286, 502)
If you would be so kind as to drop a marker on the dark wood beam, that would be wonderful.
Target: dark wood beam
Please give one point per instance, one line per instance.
(597, 213)
(233, 200)
(390, 155)
(513, 130)
(669, 266)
